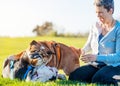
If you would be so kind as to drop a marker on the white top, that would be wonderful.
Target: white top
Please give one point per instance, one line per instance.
(92, 42)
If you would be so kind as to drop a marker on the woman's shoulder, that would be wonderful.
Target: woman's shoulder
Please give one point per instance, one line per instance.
(117, 24)
(117, 27)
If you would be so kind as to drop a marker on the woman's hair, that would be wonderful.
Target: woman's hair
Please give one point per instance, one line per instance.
(107, 4)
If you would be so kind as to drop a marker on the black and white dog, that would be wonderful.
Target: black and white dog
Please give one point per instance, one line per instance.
(24, 70)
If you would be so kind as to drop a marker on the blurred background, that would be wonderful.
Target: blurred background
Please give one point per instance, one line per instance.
(19, 18)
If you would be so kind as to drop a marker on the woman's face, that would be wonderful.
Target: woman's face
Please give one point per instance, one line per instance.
(102, 14)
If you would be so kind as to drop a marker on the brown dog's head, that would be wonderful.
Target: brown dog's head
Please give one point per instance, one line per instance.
(38, 53)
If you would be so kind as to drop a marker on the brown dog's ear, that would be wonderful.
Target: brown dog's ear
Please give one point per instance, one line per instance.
(33, 42)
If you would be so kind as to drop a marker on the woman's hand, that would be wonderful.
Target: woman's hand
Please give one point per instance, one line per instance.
(88, 58)
(82, 52)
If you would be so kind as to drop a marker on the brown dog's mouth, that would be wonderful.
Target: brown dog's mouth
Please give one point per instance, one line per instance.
(38, 58)
(40, 55)
(35, 55)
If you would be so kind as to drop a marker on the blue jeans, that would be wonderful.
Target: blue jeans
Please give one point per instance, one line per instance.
(91, 74)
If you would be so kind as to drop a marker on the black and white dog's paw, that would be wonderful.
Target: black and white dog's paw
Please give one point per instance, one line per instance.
(62, 77)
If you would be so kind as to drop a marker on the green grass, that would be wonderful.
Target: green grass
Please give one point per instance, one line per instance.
(10, 46)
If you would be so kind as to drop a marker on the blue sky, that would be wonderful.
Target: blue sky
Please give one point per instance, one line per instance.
(20, 17)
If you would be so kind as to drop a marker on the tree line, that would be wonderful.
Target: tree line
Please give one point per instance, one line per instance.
(47, 28)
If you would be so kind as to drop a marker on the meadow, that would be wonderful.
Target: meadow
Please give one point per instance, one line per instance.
(9, 46)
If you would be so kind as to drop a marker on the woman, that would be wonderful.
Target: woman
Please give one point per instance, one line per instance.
(104, 41)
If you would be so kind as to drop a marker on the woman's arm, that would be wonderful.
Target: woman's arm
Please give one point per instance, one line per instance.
(87, 46)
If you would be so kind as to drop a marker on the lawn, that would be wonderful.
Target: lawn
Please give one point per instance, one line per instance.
(9, 46)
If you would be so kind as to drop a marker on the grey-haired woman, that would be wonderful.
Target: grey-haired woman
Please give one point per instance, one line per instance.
(104, 41)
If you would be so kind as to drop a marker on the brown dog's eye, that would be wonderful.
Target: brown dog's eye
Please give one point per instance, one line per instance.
(49, 52)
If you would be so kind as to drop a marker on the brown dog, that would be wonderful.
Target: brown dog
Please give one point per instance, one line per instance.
(55, 55)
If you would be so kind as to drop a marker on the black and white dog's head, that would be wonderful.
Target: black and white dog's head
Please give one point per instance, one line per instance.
(14, 68)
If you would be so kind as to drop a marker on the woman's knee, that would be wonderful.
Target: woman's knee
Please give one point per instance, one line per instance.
(97, 78)
(83, 74)
(103, 78)
(75, 75)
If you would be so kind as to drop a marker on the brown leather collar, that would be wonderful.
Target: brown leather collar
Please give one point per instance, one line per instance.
(57, 54)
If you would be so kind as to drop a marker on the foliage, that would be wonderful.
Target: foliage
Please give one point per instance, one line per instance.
(82, 35)
(45, 29)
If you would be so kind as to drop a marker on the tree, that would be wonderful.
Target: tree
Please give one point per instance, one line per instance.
(45, 29)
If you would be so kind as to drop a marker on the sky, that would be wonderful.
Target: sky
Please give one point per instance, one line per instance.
(19, 17)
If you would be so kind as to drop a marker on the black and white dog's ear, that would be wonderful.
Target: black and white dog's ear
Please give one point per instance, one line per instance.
(7, 60)
(33, 42)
